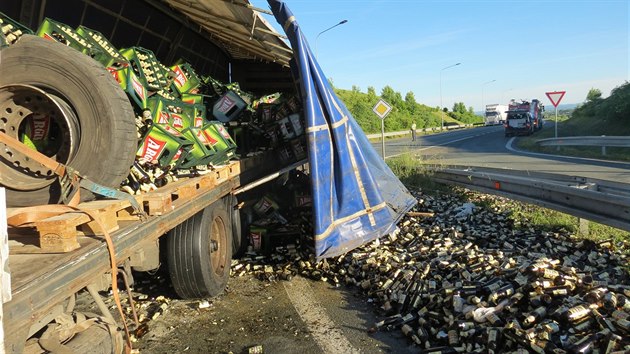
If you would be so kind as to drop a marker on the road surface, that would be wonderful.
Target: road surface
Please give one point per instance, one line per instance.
(488, 147)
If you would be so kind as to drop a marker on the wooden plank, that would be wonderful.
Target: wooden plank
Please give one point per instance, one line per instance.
(107, 211)
(165, 199)
(59, 233)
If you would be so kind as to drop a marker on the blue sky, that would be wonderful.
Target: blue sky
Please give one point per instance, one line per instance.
(528, 47)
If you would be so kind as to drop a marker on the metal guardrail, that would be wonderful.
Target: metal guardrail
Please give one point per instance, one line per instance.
(405, 132)
(621, 141)
(605, 202)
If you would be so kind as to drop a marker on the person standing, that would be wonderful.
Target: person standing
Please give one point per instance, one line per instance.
(413, 131)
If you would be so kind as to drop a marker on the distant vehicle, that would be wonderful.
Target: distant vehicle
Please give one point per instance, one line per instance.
(518, 123)
(535, 109)
(495, 114)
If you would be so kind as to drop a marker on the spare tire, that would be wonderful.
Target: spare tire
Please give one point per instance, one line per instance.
(89, 120)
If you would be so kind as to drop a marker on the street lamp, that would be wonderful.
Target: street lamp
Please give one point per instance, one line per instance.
(327, 29)
(441, 115)
(482, 85)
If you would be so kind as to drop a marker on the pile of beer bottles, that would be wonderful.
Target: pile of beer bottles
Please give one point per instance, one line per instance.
(186, 123)
(278, 223)
(479, 282)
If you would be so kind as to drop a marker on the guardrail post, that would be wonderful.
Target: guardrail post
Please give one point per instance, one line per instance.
(583, 227)
(603, 148)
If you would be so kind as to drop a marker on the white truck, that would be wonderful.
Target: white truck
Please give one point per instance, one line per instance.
(495, 114)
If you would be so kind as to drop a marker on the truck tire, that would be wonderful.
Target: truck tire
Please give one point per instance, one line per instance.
(91, 119)
(199, 253)
(239, 240)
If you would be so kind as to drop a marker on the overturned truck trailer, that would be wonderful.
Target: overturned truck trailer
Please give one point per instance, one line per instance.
(126, 124)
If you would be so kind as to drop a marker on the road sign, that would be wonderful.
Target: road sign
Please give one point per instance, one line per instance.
(555, 97)
(382, 108)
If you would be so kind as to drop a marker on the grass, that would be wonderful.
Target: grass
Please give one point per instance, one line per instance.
(415, 173)
(552, 220)
(579, 127)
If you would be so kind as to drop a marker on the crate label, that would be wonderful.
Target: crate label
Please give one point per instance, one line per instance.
(180, 78)
(47, 36)
(151, 149)
(177, 155)
(137, 86)
(223, 132)
(178, 121)
(226, 104)
(40, 127)
(163, 118)
(198, 122)
(211, 141)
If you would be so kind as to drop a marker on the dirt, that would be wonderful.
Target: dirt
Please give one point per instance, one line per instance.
(249, 313)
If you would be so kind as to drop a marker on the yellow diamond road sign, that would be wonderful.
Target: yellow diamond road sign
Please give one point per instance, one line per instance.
(382, 109)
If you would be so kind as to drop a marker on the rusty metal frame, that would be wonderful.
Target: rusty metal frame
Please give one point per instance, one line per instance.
(37, 298)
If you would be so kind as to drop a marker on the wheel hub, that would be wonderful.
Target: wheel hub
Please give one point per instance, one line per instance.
(218, 242)
(42, 121)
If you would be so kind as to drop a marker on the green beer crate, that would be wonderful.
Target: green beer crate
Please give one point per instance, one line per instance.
(188, 112)
(11, 30)
(171, 118)
(185, 80)
(201, 153)
(107, 54)
(220, 139)
(163, 148)
(62, 33)
(199, 115)
(147, 68)
(135, 88)
(192, 98)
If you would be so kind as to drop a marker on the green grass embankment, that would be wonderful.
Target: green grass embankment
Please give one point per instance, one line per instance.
(583, 126)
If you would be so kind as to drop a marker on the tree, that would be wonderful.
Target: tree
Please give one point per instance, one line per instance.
(459, 107)
(594, 95)
(410, 102)
(371, 91)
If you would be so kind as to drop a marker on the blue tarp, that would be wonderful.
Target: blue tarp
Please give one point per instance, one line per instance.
(356, 197)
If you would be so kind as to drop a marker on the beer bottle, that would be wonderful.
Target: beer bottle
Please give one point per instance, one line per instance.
(535, 316)
(577, 312)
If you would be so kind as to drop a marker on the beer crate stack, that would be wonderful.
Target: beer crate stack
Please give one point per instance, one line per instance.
(187, 124)
(11, 31)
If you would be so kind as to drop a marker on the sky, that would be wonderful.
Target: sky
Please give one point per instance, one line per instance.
(528, 47)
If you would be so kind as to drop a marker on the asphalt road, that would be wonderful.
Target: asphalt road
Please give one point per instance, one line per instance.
(488, 147)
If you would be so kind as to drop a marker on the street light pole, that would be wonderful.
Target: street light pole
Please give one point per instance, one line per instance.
(327, 29)
(482, 86)
(441, 107)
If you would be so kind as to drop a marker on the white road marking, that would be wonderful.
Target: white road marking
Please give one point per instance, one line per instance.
(327, 335)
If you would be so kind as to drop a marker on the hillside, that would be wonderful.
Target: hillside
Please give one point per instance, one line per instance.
(404, 111)
(597, 116)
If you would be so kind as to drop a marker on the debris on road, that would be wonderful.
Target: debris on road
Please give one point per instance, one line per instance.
(471, 280)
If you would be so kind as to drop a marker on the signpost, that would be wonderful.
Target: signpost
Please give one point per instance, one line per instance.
(382, 109)
(555, 97)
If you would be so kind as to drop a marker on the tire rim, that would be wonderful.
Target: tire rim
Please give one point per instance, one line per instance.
(218, 246)
(45, 122)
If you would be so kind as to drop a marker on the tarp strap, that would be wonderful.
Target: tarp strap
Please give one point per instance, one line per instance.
(288, 23)
(340, 221)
